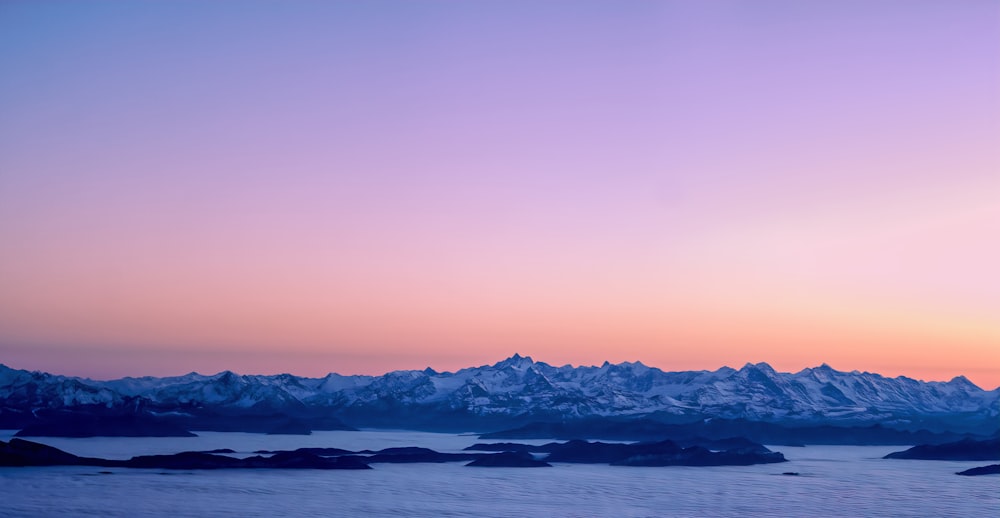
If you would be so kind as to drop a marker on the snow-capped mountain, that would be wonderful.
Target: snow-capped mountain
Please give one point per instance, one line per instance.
(519, 387)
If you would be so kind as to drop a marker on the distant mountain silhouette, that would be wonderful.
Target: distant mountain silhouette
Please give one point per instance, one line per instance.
(507, 394)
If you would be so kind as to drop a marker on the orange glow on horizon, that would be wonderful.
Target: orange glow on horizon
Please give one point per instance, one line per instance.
(339, 188)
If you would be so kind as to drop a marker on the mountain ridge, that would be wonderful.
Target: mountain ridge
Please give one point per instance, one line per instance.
(515, 357)
(520, 389)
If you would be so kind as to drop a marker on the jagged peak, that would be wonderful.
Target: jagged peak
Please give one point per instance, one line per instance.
(962, 380)
(403, 374)
(626, 365)
(761, 366)
(226, 376)
(515, 361)
(823, 367)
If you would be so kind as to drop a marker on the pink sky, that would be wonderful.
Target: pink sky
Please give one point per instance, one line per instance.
(361, 187)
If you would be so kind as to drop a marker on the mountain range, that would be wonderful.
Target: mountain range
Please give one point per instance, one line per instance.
(511, 392)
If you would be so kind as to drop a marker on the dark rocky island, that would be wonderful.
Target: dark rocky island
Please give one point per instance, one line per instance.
(509, 447)
(220, 450)
(324, 452)
(398, 455)
(659, 453)
(413, 454)
(662, 453)
(992, 469)
(730, 443)
(967, 449)
(19, 452)
(509, 459)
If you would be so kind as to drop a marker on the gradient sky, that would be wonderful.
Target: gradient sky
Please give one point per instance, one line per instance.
(359, 187)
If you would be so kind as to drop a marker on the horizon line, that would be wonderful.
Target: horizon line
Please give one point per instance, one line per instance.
(514, 357)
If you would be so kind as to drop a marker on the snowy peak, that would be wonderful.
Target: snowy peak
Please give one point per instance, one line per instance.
(520, 387)
(761, 367)
(962, 382)
(517, 362)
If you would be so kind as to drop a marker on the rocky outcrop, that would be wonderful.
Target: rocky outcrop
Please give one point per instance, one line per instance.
(660, 453)
(19, 452)
(967, 449)
(992, 469)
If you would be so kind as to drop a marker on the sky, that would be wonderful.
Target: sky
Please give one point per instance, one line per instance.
(359, 187)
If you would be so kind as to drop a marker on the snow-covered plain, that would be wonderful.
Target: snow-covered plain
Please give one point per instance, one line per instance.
(833, 481)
